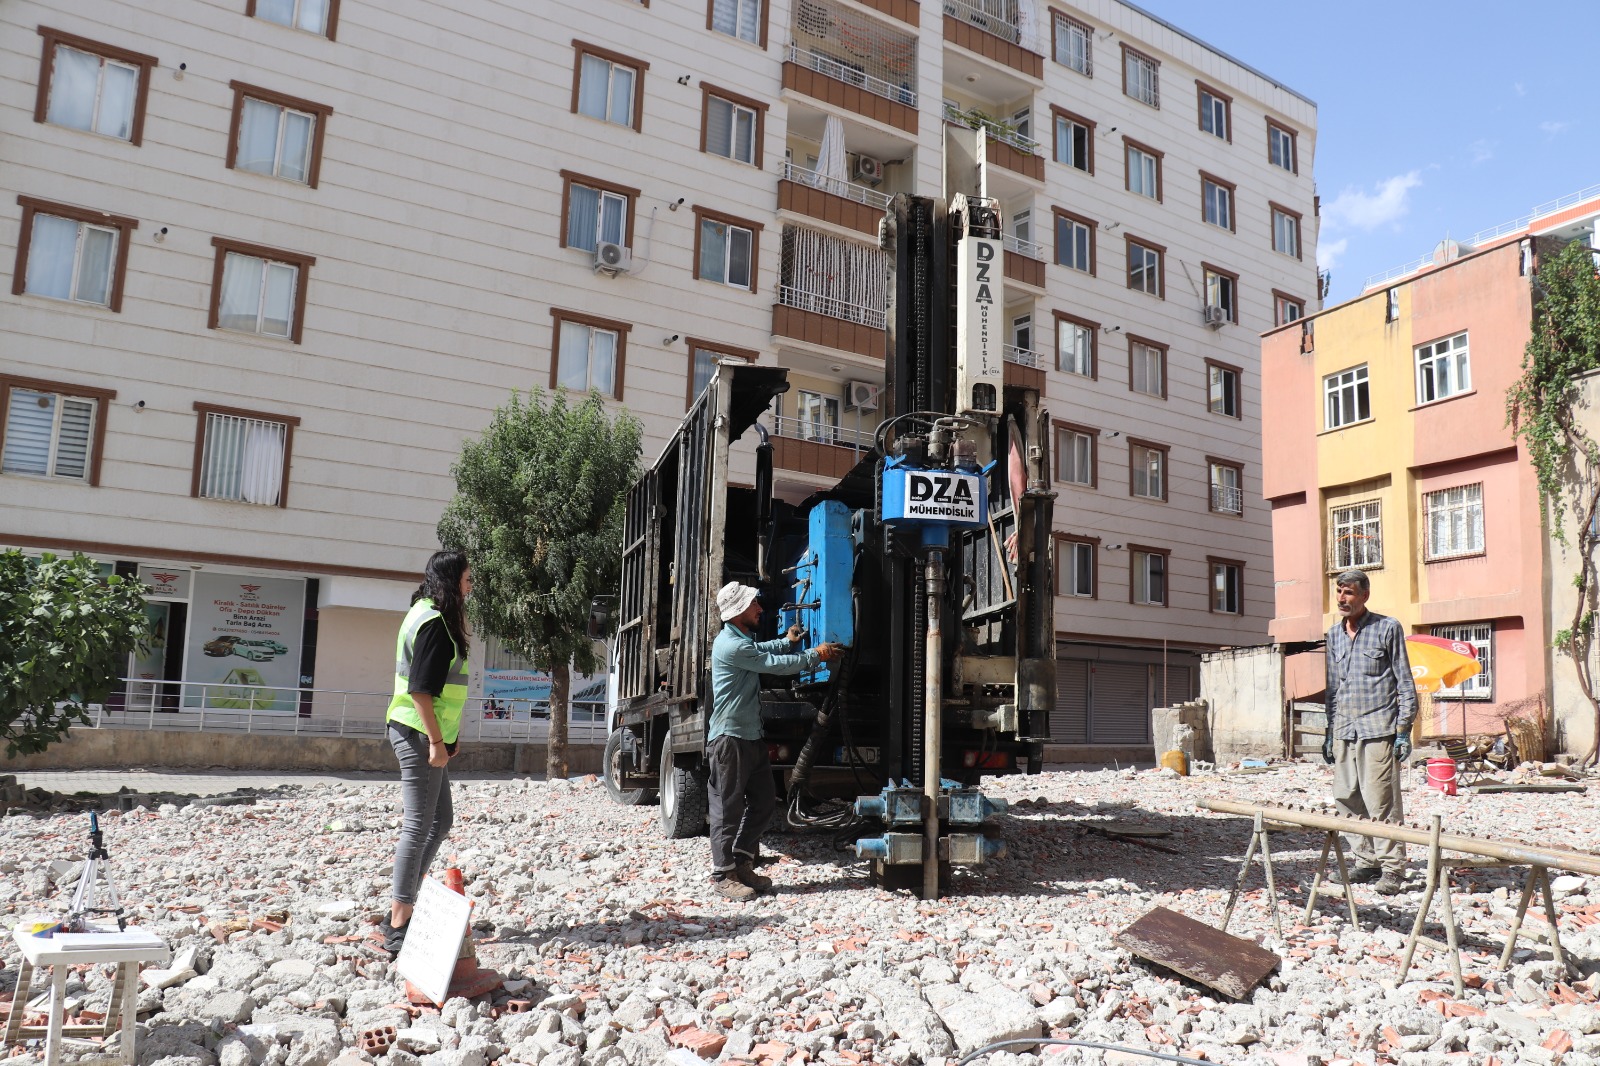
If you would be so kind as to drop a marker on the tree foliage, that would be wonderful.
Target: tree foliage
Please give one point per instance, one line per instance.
(65, 637)
(539, 506)
(1544, 408)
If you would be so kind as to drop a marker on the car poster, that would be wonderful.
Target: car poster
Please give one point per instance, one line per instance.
(244, 642)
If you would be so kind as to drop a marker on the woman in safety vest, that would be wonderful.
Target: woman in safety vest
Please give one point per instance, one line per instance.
(430, 688)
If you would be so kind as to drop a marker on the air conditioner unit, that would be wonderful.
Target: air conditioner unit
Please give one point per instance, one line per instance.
(1216, 316)
(869, 169)
(611, 258)
(861, 395)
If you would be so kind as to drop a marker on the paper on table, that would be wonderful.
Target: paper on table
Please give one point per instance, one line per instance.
(110, 940)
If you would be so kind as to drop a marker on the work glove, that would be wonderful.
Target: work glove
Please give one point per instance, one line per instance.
(1402, 749)
(1327, 748)
(796, 633)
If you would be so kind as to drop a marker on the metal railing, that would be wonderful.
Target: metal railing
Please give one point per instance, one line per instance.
(829, 67)
(831, 306)
(836, 186)
(986, 21)
(1020, 356)
(972, 118)
(1228, 499)
(857, 440)
(1023, 247)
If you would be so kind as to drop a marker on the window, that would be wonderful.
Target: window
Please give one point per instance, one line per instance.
(1222, 291)
(52, 429)
(314, 16)
(1443, 369)
(1227, 486)
(1149, 584)
(1391, 305)
(1455, 521)
(1074, 140)
(1227, 586)
(258, 290)
(1022, 225)
(818, 416)
(1144, 170)
(1147, 367)
(589, 354)
(70, 253)
(731, 125)
(703, 359)
(1022, 123)
(1076, 345)
(744, 19)
(1076, 567)
(1146, 272)
(1281, 147)
(276, 135)
(607, 85)
(94, 87)
(1480, 635)
(1357, 532)
(725, 249)
(1141, 77)
(1022, 332)
(1216, 202)
(1286, 308)
(1073, 44)
(1075, 455)
(595, 211)
(1346, 397)
(1147, 470)
(1216, 112)
(242, 456)
(1285, 231)
(1222, 389)
(1074, 241)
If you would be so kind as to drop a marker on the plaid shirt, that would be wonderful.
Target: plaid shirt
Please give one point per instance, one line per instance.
(1370, 689)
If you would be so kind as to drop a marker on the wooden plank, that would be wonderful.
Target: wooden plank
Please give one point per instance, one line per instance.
(1229, 964)
(1487, 789)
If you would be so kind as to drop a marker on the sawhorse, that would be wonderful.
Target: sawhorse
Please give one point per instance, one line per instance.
(121, 1011)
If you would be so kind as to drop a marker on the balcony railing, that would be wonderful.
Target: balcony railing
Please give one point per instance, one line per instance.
(830, 67)
(836, 186)
(1228, 499)
(857, 440)
(997, 131)
(1021, 356)
(1016, 244)
(987, 21)
(831, 306)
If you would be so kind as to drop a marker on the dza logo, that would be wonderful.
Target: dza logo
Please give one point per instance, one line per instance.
(940, 490)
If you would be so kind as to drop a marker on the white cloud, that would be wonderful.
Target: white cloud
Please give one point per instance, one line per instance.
(1482, 150)
(1551, 128)
(1359, 209)
(1328, 252)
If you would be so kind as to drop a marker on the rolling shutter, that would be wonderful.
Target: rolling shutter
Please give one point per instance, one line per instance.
(1119, 703)
(1069, 723)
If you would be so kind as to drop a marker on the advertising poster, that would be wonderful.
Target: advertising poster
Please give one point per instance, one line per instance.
(520, 693)
(244, 642)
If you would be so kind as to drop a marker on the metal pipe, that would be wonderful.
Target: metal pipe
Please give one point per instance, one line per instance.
(1511, 851)
(934, 684)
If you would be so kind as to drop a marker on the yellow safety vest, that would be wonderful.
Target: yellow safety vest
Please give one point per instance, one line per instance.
(447, 707)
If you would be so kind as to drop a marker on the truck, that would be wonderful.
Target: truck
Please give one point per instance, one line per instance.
(930, 561)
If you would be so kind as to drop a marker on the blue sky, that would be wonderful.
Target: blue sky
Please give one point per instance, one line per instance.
(1435, 118)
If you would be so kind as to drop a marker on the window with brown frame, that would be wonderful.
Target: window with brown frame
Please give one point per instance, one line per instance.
(1286, 308)
(1077, 455)
(1285, 230)
(727, 249)
(587, 353)
(72, 253)
(1077, 566)
(1216, 111)
(1147, 267)
(595, 210)
(1217, 199)
(607, 85)
(242, 456)
(1077, 345)
(52, 429)
(743, 19)
(1074, 140)
(1072, 43)
(1142, 169)
(1147, 366)
(732, 126)
(1147, 469)
(703, 359)
(1075, 241)
(1141, 77)
(1227, 585)
(1222, 290)
(1283, 148)
(1223, 389)
(320, 17)
(1225, 479)
(255, 289)
(90, 86)
(277, 135)
(1148, 571)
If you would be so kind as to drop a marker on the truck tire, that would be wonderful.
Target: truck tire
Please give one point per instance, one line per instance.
(684, 799)
(612, 762)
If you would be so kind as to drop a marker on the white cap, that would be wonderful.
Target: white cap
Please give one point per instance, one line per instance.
(733, 599)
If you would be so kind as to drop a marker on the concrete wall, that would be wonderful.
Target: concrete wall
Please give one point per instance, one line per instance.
(1572, 715)
(355, 654)
(1244, 690)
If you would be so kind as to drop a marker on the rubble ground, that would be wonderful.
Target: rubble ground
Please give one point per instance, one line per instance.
(617, 954)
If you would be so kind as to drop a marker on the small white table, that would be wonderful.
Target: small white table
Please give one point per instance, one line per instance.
(125, 950)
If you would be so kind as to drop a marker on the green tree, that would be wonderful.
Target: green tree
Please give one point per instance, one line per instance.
(65, 637)
(1543, 406)
(539, 504)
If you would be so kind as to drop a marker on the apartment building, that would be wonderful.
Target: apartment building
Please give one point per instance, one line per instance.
(273, 260)
(1386, 449)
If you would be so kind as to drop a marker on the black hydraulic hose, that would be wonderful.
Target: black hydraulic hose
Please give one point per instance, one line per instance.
(1063, 1042)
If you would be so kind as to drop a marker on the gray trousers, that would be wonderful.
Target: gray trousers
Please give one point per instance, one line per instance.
(1366, 784)
(742, 799)
(427, 811)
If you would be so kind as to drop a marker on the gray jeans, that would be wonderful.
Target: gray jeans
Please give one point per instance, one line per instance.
(1366, 784)
(428, 813)
(742, 799)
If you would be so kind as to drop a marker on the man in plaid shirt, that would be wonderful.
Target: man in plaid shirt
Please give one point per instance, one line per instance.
(1372, 701)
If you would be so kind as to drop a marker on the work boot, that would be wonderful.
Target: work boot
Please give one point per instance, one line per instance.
(1365, 874)
(1392, 883)
(732, 889)
(746, 874)
(394, 937)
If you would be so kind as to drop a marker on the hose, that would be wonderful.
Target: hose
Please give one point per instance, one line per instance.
(1036, 1041)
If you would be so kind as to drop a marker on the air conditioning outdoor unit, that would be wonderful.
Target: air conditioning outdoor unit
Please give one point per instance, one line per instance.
(861, 395)
(869, 169)
(1216, 316)
(611, 258)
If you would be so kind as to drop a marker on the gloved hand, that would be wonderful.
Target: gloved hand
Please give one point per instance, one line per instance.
(796, 633)
(1327, 748)
(1402, 749)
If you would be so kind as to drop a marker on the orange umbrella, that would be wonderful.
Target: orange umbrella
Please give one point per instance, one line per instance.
(1438, 663)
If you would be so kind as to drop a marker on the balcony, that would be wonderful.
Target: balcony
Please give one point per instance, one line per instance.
(907, 11)
(833, 200)
(1024, 262)
(1023, 368)
(808, 447)
(831, 292)
(1005, 147)
(1228, 499)
(828, 321)
(855, 62)
(993, 29)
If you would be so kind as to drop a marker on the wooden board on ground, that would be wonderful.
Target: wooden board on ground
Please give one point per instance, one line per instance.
(1229, 964)
(433, 941)
(1487, 789)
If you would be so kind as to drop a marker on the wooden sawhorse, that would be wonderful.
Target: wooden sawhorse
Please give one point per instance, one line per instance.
(121, 1012)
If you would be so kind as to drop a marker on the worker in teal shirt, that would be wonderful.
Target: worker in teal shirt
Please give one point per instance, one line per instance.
(742, 796)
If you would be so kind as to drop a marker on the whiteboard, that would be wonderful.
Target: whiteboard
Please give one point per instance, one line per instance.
(428, 957)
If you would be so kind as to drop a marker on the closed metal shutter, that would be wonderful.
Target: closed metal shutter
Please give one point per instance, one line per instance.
(1069, 724)
(1179, 686)
(1119, 703)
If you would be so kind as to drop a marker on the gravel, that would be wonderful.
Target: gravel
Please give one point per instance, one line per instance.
(618, 955)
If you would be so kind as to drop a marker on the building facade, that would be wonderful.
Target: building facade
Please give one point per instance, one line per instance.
(273, 260)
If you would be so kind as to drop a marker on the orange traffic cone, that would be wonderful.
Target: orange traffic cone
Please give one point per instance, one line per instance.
(453, 881)
(467, 980)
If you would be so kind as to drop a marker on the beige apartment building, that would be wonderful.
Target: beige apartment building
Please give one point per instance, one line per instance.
(273, 260)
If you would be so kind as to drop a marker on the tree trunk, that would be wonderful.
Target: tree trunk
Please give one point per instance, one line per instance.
(555, 764)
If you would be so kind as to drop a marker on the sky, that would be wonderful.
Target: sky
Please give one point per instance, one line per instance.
(1435, 119)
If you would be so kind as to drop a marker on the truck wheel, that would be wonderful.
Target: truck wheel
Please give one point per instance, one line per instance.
(684, 800)
(612, 761)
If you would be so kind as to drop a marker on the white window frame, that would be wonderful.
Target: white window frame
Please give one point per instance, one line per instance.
(1218, 203)
(1149, 269)
(59, 401)
(1148, 480)
(1077, 235)
(77, 260)
(590, 332)
(1346, 398)
(1280, 147)
(1074, 342)
(1220, 589)
(738, 33)
(1143, 78)
(1216, 112)
(1227, 488)
(1145, 573)
(1076, 552)
(611, 73)
(1355, 532)
(1022, 123)
(1480, 635)
(1460, 509)
(817, 416)
(300, 7)
(249, 478)
(276, 169)
(267, 267)
(1066, 140)
(1068, 33)
(1285, 233)
(1069, 459)
(1223, 390)
(1022, 332)
(97, 124)
(1144, 173)
(1022, 225)
(1149, 359)
(736, 111)
(1222, 292)
(1444, 369)
(1289, 310)
(603, 197)
(727, 253)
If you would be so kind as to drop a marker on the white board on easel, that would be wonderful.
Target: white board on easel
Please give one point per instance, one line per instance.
(428, 957)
